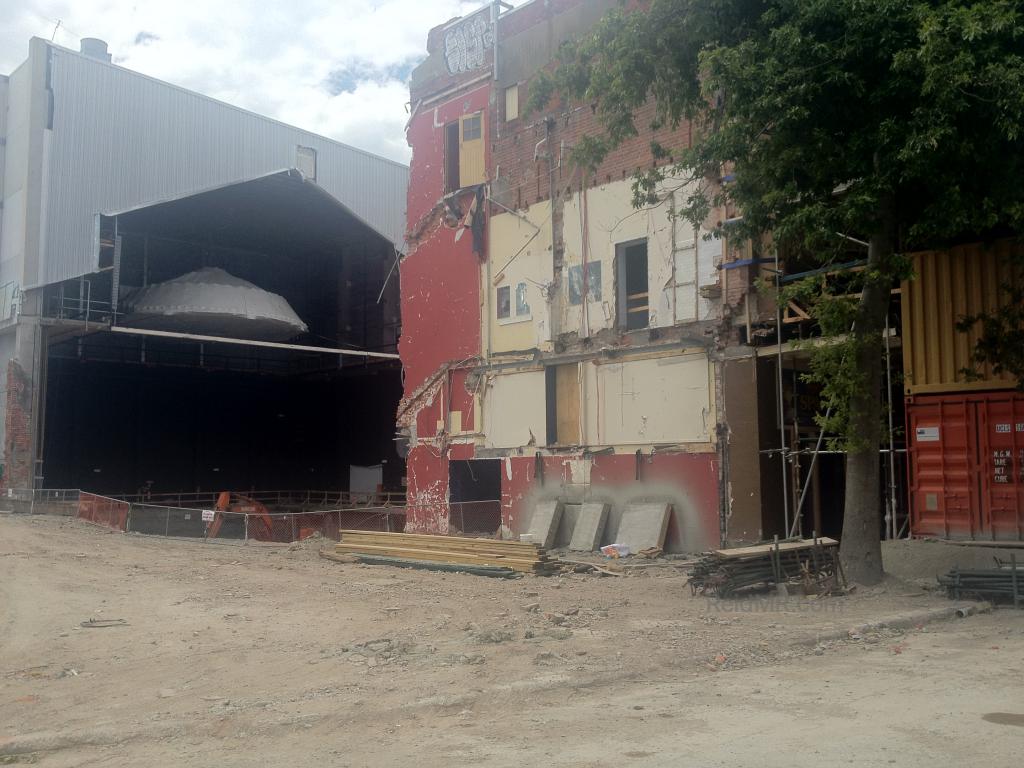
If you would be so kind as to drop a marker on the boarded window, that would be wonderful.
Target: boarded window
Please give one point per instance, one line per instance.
(585, 281)
(471, 151)
(562, 386)
(512, 103)
(631, 285)
(504, 302)
(464, 153)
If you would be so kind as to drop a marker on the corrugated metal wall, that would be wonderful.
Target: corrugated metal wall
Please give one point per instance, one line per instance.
(965, 280)
(121, 140)
(967, 465)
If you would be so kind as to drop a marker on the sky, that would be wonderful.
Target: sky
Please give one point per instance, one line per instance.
(339, 68)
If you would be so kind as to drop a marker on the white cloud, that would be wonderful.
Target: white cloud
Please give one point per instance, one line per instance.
(335, 68)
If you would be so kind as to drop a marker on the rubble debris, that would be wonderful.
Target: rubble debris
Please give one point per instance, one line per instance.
(725, 572)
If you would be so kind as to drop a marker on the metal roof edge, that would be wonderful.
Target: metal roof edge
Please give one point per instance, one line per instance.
(290, 172)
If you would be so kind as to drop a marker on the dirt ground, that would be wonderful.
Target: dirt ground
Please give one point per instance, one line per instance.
(256, 655)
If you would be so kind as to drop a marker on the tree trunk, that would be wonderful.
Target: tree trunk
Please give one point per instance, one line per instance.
(861, 548)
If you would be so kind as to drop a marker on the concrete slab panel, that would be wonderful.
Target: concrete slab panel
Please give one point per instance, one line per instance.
(590, 522)
(544, 523)
(644, 525)
(570, 513)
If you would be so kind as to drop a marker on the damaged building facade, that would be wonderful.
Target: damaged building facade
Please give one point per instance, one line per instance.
(194, 297)
(558, 343)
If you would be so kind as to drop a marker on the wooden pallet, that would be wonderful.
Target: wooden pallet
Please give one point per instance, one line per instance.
(522, 557)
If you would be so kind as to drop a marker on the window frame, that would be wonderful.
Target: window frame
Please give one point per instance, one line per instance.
(514, 316)
(622, 299)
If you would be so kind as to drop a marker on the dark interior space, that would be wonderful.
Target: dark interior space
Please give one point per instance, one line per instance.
(125, 412)
(113, 428)
(474, 480)
(474, 488)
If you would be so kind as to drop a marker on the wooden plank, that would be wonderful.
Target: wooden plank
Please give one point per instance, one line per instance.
(438, 538)
(786, 546)
(447, 557)
(522, 552)
(567, 410)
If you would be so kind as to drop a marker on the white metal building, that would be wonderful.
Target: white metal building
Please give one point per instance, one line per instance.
(112, 181)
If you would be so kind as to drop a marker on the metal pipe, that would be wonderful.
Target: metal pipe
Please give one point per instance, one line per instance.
(249, 342)
(810, 474)
(892, 456)
(782, 418)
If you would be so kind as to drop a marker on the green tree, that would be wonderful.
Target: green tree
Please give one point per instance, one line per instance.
(897, 122)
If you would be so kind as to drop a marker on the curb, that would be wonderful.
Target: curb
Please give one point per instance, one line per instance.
(901, 621)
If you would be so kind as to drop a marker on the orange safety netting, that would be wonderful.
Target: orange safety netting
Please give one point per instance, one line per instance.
(103, 510)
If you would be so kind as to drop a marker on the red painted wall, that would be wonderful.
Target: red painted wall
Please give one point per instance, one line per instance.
(440, 277)
(440, 280)
(689, 480)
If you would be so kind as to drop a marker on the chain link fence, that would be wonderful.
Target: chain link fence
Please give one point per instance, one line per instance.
(465, 518)
(42, 501)
(194, 515)
(280, 527)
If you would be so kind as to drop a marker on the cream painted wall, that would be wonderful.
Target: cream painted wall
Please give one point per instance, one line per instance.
(676, 268)
(519, 253)
(513, 406)
(652, 401)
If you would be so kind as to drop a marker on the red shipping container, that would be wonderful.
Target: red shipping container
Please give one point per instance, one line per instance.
(967, 465)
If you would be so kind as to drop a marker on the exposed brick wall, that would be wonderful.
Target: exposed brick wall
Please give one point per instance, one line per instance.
(18, 422)
(523, 180)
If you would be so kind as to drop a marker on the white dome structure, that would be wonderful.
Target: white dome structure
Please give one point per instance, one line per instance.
(212, 301)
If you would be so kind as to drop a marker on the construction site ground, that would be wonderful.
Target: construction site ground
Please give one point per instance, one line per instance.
(230, 655)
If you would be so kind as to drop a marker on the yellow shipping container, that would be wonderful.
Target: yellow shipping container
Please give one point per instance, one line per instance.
(949, 285)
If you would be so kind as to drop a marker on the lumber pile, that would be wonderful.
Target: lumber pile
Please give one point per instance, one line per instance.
(517, 556)
(727, 572)
(1003, 583)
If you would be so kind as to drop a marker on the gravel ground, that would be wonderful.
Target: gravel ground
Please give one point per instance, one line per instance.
(269, 655)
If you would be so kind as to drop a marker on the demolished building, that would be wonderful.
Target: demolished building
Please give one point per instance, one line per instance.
(561, 346)
(558, 344)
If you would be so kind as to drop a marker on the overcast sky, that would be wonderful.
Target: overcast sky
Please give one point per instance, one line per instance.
(337, 67)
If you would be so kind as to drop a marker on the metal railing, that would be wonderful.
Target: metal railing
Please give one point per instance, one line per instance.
(330, 500)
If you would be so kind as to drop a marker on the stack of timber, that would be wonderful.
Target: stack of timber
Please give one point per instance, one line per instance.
(1003, 583)
(726, 572)
(489, 557)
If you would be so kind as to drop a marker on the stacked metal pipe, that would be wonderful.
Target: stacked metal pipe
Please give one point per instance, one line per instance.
(1004, 583)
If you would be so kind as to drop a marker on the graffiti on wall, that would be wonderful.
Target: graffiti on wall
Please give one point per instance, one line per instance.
(466, 44)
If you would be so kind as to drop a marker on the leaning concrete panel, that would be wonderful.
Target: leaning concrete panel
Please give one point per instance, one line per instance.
(644, 525)
(544, 523)
(590, 522)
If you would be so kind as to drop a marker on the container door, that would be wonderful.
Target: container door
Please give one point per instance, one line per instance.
(1001, 448)
(943, 498)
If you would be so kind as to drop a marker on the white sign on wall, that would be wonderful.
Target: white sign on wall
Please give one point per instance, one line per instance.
(927, 434)
(208, 515)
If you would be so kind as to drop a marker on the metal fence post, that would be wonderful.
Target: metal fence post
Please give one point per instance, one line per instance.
(167, 521)
(128, 519)
(293, 526)
(245, 536)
